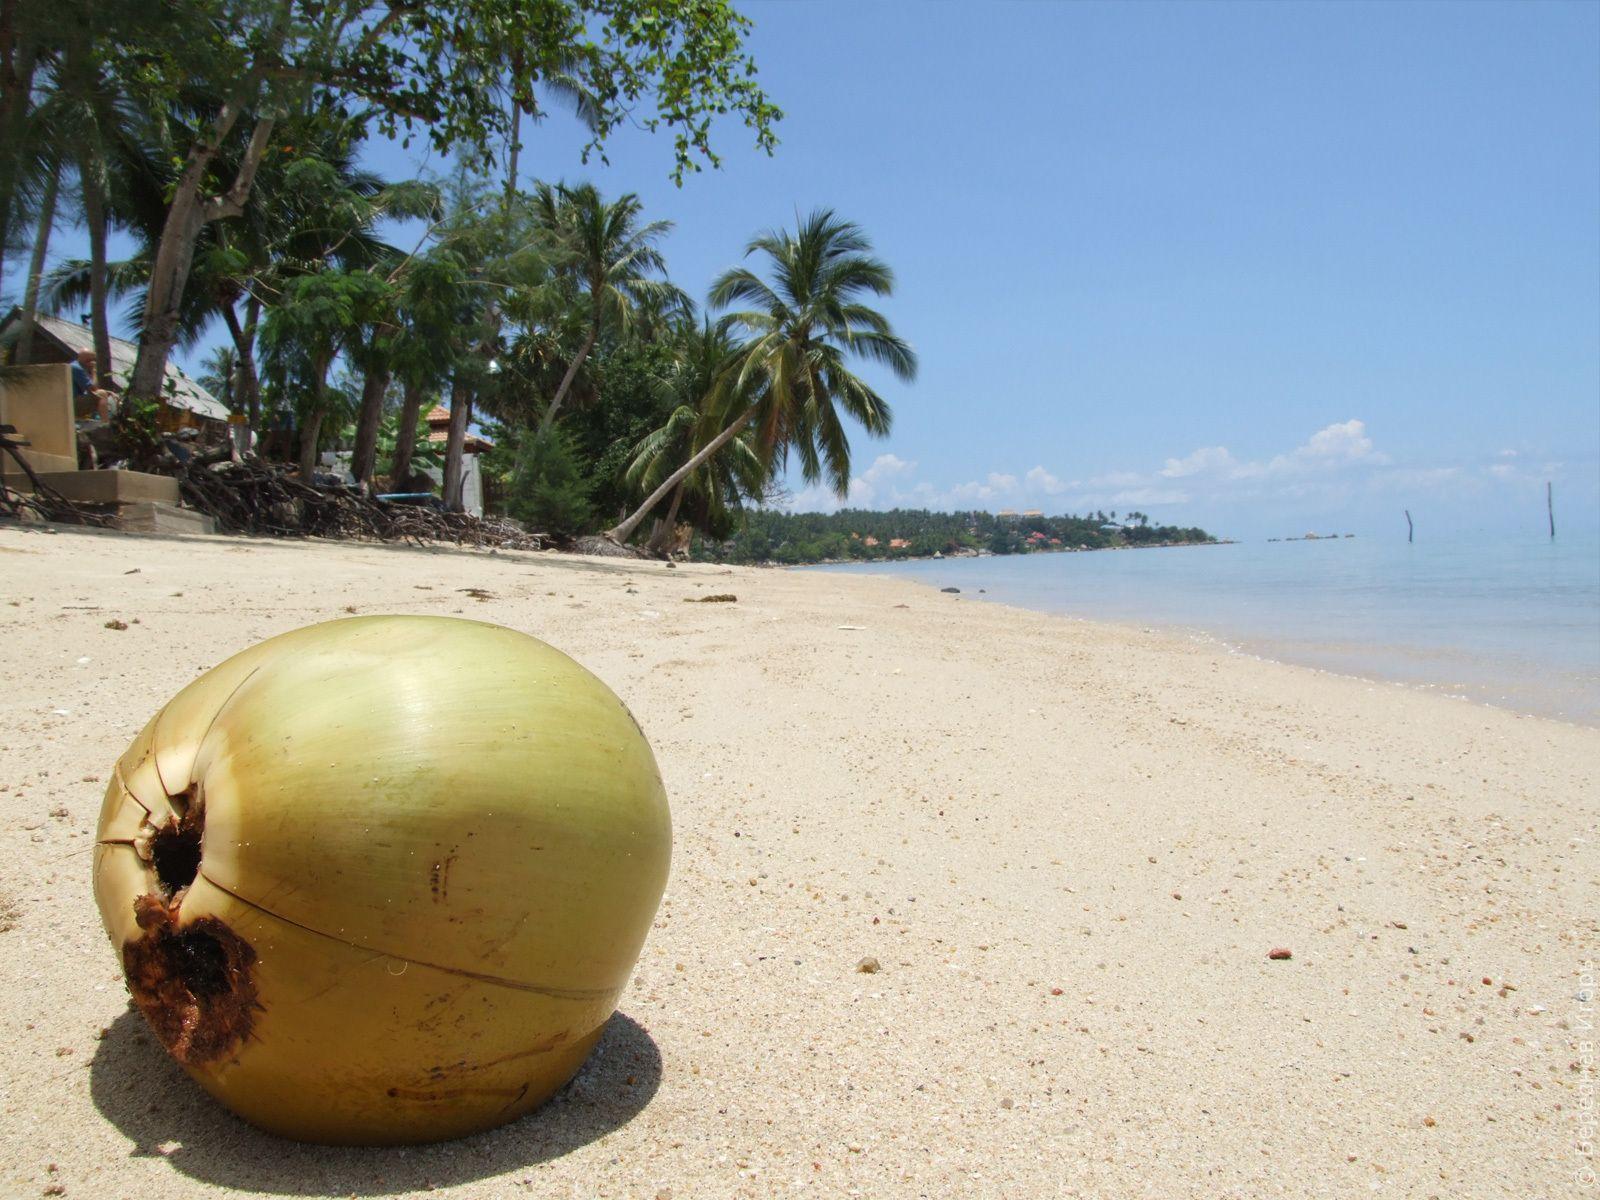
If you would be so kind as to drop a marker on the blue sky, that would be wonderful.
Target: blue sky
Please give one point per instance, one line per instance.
(1260, 268)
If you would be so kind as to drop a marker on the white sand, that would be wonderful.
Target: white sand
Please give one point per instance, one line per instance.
(994, 804)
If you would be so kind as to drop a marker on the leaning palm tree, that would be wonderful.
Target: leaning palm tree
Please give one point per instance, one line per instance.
(704, 353)
(802, 328)
(608, 257)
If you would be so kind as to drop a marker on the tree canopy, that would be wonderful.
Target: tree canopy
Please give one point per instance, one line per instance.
(530, 338)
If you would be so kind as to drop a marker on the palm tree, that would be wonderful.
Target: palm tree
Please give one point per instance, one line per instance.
(312, 204)
(433, 295)
(802, 328)
(219, 371)
(318, 318)
(31, 34)
(704, 353)
(607, 257)
(101, 131)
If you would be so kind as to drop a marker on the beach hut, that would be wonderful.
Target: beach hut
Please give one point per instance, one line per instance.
(184, 403)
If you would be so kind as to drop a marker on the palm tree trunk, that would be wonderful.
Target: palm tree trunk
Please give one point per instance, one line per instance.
(41, 242)
(515, 151)
(311, 434)
(94, 213)
(18, 56)
(621, 533)
(364, 459)
(455, 442)
(662, 533)
(566, 380)
(309, 437)
(187, 213)
(405, 442)
(247, 384)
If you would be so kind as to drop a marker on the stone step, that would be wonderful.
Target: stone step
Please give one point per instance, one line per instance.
(42, 464)
(112, 487)
(152, 516)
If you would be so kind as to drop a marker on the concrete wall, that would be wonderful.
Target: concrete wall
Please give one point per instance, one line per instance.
(38, 401)
(471, 483)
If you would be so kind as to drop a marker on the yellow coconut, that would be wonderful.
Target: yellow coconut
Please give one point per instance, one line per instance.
(383, 879)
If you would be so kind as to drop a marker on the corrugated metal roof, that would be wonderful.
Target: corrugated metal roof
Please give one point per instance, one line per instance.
(180, 392)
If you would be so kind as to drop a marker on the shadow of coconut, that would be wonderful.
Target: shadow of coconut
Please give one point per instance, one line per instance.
(141, 1091)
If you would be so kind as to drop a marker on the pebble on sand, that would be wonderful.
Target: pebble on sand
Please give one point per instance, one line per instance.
(868, 966)
(1280, 952)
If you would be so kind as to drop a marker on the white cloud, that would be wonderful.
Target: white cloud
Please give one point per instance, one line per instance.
(1330, 448)
(1115, 479)
(866, 487)
(1045, 482)
(1208, 460)
(1329, 468)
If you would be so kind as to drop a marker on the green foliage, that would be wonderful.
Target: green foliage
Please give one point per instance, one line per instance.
(437, 70)
(424, 454)
(550, 489)
(803, 325)
(135, 426)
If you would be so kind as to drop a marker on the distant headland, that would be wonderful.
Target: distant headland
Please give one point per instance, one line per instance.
(861, 535)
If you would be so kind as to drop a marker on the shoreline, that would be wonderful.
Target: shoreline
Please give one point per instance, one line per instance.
(1297, 652)
(1070, 845)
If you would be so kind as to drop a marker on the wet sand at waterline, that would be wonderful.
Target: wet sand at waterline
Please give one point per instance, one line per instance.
(1069, 846)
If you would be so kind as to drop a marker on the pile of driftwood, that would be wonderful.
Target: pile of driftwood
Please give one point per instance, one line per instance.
(250, 496)
(42, 501)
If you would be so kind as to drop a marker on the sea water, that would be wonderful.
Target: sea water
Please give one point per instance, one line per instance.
(1505, 621)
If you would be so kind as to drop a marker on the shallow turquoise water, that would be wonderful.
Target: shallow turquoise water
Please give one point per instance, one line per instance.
(1503, 621)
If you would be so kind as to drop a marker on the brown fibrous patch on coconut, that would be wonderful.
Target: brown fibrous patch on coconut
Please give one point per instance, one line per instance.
(193, 983)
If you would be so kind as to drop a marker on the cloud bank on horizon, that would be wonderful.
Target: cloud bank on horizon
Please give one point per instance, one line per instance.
(1333, 468)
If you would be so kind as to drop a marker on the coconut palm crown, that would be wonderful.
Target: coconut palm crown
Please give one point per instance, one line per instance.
(797, 336)
(803, 325)
(609, 256)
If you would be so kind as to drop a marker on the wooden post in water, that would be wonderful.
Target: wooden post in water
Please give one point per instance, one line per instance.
(1550, 506)
(1411, 530)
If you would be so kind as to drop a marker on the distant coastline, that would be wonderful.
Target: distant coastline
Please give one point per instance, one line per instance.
(768, 537)
(938, 556)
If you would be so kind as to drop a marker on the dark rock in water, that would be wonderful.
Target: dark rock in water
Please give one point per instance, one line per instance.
(949, 589)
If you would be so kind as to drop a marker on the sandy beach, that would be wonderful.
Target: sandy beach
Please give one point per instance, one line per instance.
(1069, 846)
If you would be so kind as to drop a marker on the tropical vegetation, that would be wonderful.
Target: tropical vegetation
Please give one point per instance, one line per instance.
(858, 535)
(220, 146)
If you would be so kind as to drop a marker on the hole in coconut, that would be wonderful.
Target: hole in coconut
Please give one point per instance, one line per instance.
(201, 961)
(175, 851)
(193, 984)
